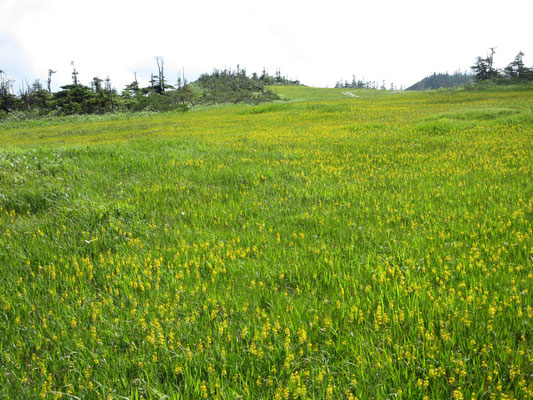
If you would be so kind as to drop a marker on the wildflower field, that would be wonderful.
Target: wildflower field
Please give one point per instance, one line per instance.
(324, 247)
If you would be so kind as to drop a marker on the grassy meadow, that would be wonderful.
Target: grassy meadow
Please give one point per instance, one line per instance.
(320, 247)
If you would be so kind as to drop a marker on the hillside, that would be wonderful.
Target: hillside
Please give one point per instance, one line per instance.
(440, 80)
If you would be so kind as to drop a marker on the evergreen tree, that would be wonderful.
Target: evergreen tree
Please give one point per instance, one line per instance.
(516, 70)
(8, 101)
(483, 68)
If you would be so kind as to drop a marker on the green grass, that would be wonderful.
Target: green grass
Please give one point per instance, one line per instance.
(304, 93)
(330, 247)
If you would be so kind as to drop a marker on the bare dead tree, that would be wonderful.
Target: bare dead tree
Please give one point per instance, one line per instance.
(50, 73)
(160, 74)
(74, 74)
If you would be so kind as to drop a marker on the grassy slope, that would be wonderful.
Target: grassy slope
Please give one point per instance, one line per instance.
(329, 247)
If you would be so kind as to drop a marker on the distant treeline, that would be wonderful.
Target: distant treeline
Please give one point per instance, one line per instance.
(100, 97)
(364, 84)
(482, 72)
(440, 80)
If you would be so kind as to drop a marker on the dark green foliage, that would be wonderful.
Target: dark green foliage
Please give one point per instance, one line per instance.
(34, 97)
(278, 79)
(154, 101)
(440, 80)
(358, 84)
(100, 97)
(515, 72)
(8, 101)
(79, 99)
(233, 86)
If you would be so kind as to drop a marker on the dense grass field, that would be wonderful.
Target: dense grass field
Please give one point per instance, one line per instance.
(322, 247)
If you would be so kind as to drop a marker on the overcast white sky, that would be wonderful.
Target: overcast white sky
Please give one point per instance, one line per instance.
(317, 42)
